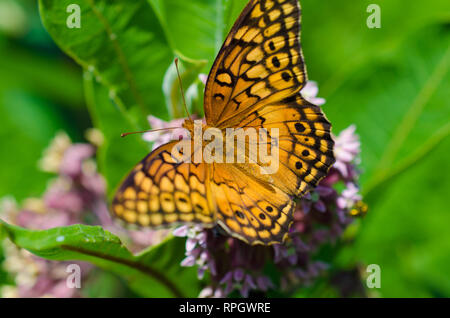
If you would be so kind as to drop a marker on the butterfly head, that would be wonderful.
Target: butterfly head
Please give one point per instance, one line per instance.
(194, 125)
(189, 125)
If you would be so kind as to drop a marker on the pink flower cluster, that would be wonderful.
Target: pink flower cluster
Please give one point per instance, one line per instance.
(77, 190)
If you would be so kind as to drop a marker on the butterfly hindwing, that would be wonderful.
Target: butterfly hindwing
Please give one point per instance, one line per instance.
(162, 191)
(305, 142)
(248, 209)
(258, 208)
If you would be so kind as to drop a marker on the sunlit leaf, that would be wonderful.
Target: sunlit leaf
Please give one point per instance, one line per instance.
(121, 42)
(155, 273)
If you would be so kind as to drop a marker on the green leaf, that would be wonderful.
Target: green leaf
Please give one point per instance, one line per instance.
(189, 71)
(395, 87)
(32, 97)
(400, 105)
(155, 273)
(197, 28)
(122, 42)
(406, 230)
(41, 75)
(103, 284)
(27, 124)
(397, 103)
(117, 155)
(337, 42)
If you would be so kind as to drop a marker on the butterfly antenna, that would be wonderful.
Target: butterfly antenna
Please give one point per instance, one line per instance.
(147, 131)
(182, 91)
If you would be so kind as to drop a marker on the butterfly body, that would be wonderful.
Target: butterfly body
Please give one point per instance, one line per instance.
(255, 83)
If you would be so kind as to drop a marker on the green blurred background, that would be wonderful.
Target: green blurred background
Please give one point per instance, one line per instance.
(392, 82)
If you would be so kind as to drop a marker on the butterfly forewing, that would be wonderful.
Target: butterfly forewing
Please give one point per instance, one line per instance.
(261, 62)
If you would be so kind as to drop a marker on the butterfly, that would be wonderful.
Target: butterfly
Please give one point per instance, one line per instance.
(255, 82)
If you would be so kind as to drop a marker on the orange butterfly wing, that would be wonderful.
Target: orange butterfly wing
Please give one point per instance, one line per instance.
(305, 143)
(260, 62)
(162, 191)
(249, 208)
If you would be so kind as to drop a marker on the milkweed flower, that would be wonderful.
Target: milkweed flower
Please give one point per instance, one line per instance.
(53, 154)
(34, 276)
(196, 251)
(347, 149)
(310, 91)
(76, 190)
(203, 78)
(159, 138)
(349, 197)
